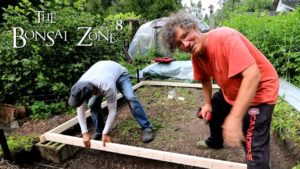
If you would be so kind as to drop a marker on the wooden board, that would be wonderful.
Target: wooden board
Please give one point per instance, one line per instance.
(148, 153)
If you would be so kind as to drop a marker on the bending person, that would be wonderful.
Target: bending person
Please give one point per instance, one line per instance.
(103, 79)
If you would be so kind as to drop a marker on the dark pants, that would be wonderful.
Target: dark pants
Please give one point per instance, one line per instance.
(256, 129)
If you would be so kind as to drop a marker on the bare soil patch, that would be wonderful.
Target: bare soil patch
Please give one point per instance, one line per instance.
(176, 128)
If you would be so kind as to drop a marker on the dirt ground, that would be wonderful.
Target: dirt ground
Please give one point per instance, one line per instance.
(176, 129)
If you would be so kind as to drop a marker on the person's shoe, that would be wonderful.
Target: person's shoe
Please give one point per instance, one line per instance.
(201, 145)
(205, 144)
(148, 135)
(96, 136)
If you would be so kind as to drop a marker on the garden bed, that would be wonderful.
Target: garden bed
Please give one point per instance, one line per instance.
(177, 130)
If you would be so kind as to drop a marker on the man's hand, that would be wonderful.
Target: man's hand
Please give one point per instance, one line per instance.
(86, 139)
(205, 110)
(105, 139)
(232, 131)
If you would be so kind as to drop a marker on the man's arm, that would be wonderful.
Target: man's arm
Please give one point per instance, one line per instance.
(207, 92)
(82, 122)
(111, 96)
(232, 126)
(247, 91)
(112, 111)
(82, 118)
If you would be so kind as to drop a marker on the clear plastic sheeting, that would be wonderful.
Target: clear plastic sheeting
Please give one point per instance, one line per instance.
(290, 93)
(181, 70)
(146, 37)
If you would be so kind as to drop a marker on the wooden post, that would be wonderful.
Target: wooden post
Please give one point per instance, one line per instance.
(4, 146)
(138, 75)
(211, 19)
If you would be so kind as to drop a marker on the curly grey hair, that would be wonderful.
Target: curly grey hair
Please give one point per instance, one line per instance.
(180, 19)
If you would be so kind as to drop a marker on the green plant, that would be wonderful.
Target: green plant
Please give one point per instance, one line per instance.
(150, 9)
(157, 123)
(142, 60)
(130, 67)
(285, 121)
(18, 143)
(277, 37)
(181, 56)
(128, 126)
(38, 69)
(41, 110)
(157, 94)
(296, 166)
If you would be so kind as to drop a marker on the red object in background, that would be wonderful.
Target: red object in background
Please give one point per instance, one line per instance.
(163, 59)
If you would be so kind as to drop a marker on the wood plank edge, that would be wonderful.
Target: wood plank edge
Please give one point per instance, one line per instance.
(148, 153)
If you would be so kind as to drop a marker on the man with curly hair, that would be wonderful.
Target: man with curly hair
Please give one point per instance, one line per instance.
(241, 110)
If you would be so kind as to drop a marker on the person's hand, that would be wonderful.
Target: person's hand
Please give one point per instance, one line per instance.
(86, 137)
(205, 109)
(232, 131)
(105, 139)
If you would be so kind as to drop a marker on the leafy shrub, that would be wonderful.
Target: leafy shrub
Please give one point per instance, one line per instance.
(278, 37)
(182, 56)
(285, 121)
(41, 110)
(37, 69)
(141, 61)
(297, 166)
(18, 143)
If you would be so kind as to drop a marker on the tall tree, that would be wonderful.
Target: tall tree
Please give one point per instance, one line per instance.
(240, 6)
(150, 9)
(257, 5)
(194, 8)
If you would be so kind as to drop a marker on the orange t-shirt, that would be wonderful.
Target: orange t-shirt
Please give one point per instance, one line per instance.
(227, 54)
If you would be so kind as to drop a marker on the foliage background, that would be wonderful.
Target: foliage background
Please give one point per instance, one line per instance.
(275, 34)
(38, 72)
(40, 77)
(277, 37)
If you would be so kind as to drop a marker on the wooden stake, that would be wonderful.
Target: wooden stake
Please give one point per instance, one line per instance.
(5, 149)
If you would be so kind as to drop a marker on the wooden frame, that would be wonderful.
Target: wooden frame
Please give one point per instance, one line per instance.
(56, 136)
